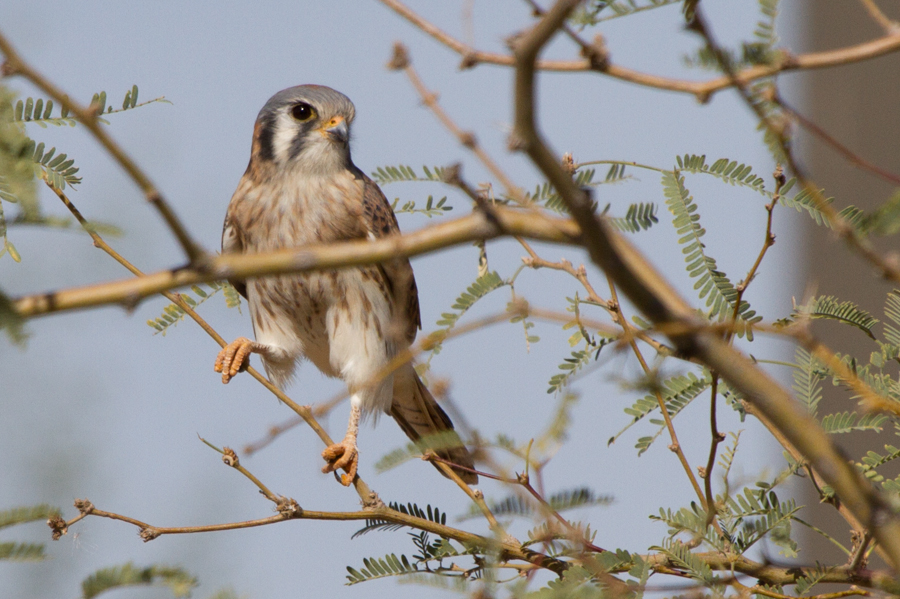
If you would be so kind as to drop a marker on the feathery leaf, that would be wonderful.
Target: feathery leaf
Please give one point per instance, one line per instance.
(177, 579)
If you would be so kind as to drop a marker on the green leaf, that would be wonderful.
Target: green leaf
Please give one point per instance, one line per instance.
(695, 567)
(677, 392)
(431, 208)
(589, 14)
(808, 581)
(575, 583)
(41, 113)
(805, 201)
(16, 150)
(749, 516)
(873, 460)
(885, 220)
(807, 376)
(56, 170)
(22, 552)
(385, 175)
(376, 568)
(482, 286)
(32, 513)
(446, 439)
(176, 579)
(545, 193)
(411, 509)
(828, 307)
(572, 365)
(892, 312)
(172, 314)
(639, 217)
(729, 171)
(559, 423)
(712, 284)
(848, 422)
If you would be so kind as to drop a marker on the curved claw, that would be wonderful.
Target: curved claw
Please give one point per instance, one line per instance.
(343, 455)
(234, 358)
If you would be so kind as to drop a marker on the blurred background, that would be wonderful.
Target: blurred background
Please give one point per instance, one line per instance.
(96, 406)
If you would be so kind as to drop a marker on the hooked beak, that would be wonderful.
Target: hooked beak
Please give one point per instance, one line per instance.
(337, 130)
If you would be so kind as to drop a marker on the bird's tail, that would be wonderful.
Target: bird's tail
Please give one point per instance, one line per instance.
(419, 415)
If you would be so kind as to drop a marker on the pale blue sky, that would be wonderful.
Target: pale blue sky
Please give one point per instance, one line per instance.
(98, 407)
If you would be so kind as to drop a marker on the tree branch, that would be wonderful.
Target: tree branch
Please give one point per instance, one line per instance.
(703, 90)
(476, 226)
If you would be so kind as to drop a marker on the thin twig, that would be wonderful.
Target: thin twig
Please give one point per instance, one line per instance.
(273, 433)
(860, 556)
(475, 495)
(760, 590)
(702, 90)
(580, 274)
(852, 157)
(292, 511)
(715, 438)
(401, 61)
(879, 17)
(230, 458)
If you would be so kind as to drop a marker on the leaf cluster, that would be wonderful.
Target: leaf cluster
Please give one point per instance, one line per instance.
(18, 551)
(712, 284)
(172, 314)
(178, 581)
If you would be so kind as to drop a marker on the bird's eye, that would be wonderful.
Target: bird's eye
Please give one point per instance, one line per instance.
(303, 111)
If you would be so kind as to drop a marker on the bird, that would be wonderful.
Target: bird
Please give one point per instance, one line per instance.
(301, 188)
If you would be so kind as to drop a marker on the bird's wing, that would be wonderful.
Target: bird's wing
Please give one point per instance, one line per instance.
(398, 273)
(232, 244)
(413, 406)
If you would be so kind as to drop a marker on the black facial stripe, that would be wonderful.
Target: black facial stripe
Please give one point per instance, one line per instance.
(266, 136)
(299, 141)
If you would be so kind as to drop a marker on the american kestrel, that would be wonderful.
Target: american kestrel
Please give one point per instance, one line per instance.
(302, 188)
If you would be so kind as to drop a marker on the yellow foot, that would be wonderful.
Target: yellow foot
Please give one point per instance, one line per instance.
(343, 455)
(234, 358)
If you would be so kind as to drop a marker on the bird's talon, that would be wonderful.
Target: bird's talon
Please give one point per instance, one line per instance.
(233, 358)
(342, 456)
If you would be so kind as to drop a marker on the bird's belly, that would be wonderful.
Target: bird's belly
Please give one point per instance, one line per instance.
(339, 320)
(290, 312)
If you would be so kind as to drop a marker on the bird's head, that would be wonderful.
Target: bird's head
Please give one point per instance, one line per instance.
(306, 128)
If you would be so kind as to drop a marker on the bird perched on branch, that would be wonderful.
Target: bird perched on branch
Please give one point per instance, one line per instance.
(302, 188)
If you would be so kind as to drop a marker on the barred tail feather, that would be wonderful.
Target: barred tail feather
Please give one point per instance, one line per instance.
(419, 415)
